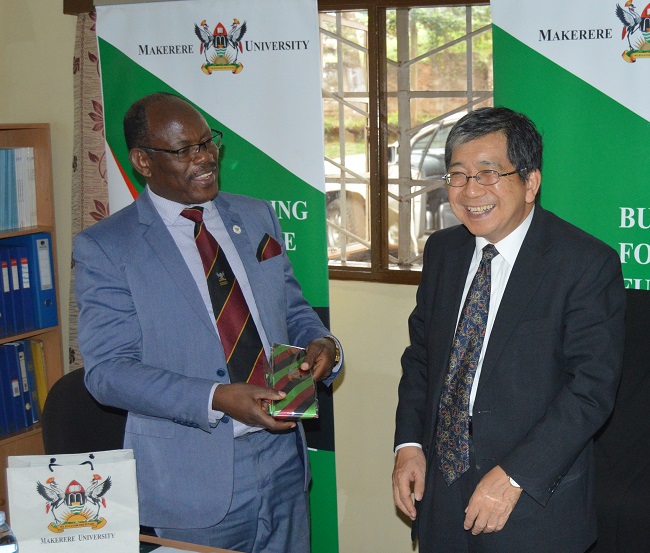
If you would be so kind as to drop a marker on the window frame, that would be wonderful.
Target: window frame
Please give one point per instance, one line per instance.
(379, 269)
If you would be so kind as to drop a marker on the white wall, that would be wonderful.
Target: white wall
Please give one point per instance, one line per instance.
(36, 51)
(370, 320)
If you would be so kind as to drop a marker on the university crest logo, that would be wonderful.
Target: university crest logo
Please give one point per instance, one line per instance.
(221, 47)
(75, 506)
(635, 23)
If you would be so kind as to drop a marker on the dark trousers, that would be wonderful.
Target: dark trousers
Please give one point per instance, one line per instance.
(442, 513)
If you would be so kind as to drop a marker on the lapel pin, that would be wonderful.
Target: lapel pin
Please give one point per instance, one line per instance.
(236, 229)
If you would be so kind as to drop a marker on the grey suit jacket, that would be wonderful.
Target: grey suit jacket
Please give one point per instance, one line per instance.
(549, 376)
(150, 347)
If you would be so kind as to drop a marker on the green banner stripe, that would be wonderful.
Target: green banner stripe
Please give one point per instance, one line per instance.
(323, 505)
(594, 148)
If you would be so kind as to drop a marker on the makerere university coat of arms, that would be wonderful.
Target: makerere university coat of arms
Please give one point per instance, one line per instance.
(221, 47)
(75, 506)
(632, 23)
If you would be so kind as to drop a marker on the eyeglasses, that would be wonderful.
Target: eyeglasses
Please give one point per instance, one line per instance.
(484, 178)
(189, 152)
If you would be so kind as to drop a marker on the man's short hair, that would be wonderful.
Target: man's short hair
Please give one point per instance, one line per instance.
(523, 141)
(136, 128)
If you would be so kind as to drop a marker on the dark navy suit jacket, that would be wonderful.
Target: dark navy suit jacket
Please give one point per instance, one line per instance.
(549, 376)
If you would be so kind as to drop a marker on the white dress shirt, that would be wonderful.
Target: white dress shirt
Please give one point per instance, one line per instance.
(502, 264)
(182, 231)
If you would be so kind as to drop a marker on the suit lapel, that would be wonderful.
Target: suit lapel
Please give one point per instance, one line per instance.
(448, 282)
(532, 264)
(243, 242)
(161, 242)
(452, 274)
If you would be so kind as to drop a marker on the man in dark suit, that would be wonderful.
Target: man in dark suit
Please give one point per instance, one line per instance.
(213, 467)
(495, 419)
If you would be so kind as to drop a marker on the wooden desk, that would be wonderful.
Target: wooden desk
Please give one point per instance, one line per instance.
(184, 546)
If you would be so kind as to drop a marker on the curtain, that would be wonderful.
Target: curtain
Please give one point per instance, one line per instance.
(89, 185)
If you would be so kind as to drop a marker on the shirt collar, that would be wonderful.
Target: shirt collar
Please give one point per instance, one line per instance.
(170, 211)
(509, 247)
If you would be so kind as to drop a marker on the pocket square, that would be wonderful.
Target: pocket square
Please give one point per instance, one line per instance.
(269, 247)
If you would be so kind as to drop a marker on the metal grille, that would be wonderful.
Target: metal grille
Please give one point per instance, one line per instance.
(438, 65)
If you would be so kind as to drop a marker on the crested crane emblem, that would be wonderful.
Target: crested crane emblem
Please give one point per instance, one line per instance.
(223, 281)
(633, 23)
(221, 47)
(76, 506)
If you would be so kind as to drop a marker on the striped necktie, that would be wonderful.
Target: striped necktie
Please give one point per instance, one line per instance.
(239, 336)
(452, 429)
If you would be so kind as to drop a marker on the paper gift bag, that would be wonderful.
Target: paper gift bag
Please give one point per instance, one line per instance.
(83, 502)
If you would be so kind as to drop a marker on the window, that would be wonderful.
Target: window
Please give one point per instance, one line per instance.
(395, 79)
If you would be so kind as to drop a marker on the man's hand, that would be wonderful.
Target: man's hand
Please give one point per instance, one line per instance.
(491, 503)
(249, 404)
(320, 357)
(408, 477)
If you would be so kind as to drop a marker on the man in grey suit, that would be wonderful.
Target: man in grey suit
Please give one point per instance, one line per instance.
(497, 455)
(213, 467)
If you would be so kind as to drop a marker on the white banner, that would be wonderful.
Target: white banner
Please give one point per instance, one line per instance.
(603, 43)
(253, 65)
(253, 68)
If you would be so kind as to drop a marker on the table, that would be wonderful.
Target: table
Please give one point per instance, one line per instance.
(182, 545)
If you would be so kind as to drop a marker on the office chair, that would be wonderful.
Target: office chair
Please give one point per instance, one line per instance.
(74, 422)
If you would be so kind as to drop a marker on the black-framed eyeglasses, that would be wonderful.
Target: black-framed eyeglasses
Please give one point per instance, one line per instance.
(188, 153)
(487, 177)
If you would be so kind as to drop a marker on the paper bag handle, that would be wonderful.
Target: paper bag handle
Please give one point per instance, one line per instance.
(53, 463)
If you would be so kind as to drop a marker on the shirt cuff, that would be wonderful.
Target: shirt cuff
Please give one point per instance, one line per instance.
(407, 444)
(213, 416)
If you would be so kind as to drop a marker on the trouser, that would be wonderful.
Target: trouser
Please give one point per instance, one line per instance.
(269, 511)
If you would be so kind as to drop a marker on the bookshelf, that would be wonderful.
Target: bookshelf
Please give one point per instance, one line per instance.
(29, 441)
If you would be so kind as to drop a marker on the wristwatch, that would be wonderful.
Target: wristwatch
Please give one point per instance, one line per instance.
(337, 354)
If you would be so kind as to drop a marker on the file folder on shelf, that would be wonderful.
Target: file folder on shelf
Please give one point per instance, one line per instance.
(7, 420)
(31, 380)
(9, 204)
(21, 286)
(41, 276)
(14, 380)
(23, 358)
(7, 293)
(3, 308)
(38, 355)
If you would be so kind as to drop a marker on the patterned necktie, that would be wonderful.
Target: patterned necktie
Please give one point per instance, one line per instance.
(452, 430)
(237, 331)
